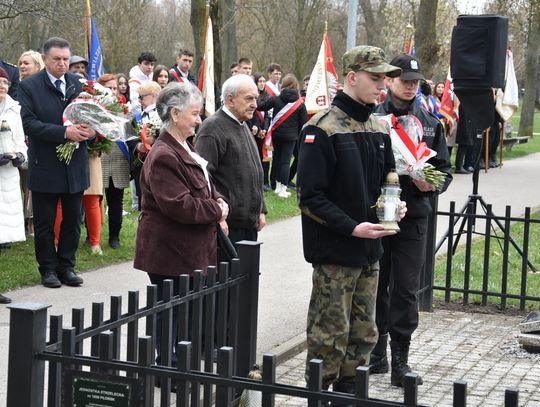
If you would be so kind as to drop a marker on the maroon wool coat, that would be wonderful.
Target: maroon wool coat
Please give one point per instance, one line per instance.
(177, 226)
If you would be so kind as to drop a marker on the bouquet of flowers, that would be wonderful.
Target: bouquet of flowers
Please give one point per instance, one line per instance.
(97, 106)
(150, 130)
(410, 152)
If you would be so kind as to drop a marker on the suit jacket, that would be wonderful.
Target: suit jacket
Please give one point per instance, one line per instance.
(42, 106)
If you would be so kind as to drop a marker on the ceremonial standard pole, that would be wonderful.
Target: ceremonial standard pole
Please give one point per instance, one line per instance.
(351, 24)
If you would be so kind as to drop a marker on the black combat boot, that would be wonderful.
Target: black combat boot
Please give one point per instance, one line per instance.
(344, 385)
(400, 358)
(378, 361)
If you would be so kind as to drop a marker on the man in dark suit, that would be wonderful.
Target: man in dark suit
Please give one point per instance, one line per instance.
(13, 73)
(43, 98)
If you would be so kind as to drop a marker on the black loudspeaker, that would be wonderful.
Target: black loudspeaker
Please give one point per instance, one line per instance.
(478, 51)
(477, 63)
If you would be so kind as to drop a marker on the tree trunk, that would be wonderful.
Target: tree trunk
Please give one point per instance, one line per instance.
(425, 38)
(197, 20)
(228, 25)
(526, 121)
(374, 22)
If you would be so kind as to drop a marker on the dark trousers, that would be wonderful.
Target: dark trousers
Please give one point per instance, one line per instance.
(237, 234)
(281, 160)
(115, 197)
(265, 164)
(460, 155)
(399, 278)
(50, 258)
(294, 165)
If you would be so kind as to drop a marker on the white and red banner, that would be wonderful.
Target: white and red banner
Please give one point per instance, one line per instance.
(206, 77)
(278, 119)
(508, 100)
(410, 152)
(323, 83)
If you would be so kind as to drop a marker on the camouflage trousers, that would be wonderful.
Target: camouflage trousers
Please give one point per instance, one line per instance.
(341, 329)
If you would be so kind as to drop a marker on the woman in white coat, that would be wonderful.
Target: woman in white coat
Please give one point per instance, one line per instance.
(12, 155)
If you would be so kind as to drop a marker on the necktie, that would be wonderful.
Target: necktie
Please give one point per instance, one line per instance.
(58, 84)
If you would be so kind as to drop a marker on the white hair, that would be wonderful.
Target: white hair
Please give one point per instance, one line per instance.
(178, 95)
(232, 85)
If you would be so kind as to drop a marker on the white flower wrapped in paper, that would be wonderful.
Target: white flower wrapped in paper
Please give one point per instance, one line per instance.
(99, 108)
(410, 152)
(92, 112)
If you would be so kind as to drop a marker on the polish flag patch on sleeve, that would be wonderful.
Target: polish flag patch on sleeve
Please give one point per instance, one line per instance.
(310, 138)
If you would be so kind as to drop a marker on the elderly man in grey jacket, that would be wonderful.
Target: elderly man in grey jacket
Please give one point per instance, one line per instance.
(233, 160)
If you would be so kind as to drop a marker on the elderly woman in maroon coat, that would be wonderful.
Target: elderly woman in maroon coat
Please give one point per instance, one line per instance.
(180, 206)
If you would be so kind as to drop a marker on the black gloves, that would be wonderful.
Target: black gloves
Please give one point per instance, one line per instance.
(18, 160)
(5, 159)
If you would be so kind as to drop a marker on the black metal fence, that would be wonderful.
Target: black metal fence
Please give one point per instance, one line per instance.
(480, 267)
(112, 362)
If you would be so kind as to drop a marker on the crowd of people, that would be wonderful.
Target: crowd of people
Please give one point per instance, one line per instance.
(197, 181)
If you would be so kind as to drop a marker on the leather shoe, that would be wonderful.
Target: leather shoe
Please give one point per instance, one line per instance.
(470, 168)
(114, 242)
(68, 277)
(461, 170)
(50, 280)
(4, 299)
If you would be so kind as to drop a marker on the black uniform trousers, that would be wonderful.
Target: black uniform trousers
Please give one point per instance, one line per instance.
(399, 278)
(49, 258)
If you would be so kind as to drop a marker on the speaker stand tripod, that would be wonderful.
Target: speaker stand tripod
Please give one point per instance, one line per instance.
(469, 208)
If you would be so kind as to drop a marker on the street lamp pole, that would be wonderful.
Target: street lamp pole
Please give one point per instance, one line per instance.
(351, 24)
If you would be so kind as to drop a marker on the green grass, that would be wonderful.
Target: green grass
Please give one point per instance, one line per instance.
(532, 146)
(495, 267)
(18, 266)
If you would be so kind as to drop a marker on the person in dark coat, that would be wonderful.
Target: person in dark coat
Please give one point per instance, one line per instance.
(180, 204)
(259, 126)
(291, 109)
(404, 253)
(13, 73)
(43, 98)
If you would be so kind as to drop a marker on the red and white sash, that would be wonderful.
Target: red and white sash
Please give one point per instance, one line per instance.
(278, 119)
(272, 89)
(179, 78)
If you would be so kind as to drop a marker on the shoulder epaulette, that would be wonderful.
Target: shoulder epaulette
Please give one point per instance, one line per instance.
(319, 116)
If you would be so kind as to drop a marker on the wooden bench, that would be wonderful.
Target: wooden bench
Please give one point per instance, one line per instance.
(510, 141)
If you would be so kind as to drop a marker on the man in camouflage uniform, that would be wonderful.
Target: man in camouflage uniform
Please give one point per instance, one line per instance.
(344, 157)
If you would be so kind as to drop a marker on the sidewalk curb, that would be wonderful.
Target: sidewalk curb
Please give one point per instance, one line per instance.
(289, 349)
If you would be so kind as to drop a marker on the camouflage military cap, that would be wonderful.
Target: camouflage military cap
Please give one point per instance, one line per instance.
(369, 59)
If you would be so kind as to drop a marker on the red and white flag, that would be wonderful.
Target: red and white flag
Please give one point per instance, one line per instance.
(323, 83)
(508, 100)
(206, 77)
